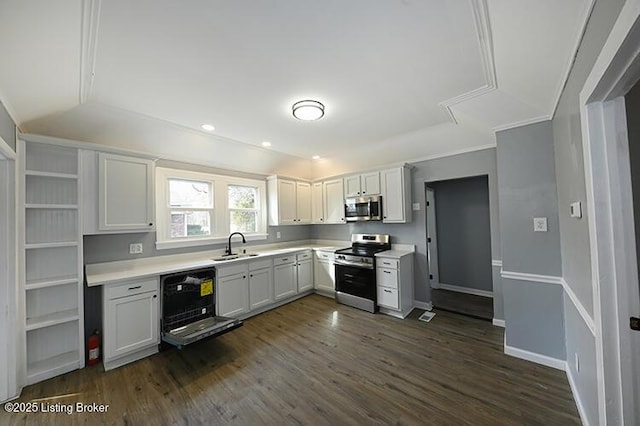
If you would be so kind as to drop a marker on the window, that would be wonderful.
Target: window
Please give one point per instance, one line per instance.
(243, 211)
(198, 208)
(191, 208)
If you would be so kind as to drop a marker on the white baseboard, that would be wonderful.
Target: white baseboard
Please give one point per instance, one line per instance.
(427, 306)
(476, 292)
(576, 397)
(534, 357)
(498, 322)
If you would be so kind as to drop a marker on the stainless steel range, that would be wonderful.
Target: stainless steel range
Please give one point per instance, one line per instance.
(356, 271)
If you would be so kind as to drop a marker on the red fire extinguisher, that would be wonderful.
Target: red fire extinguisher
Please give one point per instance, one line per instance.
(93, 345)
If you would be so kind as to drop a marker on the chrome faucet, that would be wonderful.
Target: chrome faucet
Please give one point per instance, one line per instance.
(228, 252)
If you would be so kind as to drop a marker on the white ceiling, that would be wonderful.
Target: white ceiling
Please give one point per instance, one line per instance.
(400, 79)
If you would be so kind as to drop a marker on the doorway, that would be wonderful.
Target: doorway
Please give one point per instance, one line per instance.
(610, 211)
(459, 246)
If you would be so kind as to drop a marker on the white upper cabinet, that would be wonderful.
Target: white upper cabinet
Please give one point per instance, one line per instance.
(333, 201)
(396, 195)
(118, 193)
(125, 193)
(362, 184)
(289, 202)
(370, 183)
(317, 203)
(303, 202)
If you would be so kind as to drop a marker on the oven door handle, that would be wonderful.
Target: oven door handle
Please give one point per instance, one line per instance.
(354, 264)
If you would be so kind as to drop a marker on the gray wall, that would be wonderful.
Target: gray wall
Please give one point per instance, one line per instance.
(527, 190)
(7, 127)
(632, 103)
(533, 310)
(580, 341)
(534, 317)
(113, 247)
(574, 233)
(464, 232)
(476, 163)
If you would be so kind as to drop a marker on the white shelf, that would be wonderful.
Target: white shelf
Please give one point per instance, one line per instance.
(36, 284)
(53, 366)
(52, 319)
(51, 245)
(52, 206)
(51, 265)
(50, 174)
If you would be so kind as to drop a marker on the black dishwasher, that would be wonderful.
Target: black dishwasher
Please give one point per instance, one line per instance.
(189, 308)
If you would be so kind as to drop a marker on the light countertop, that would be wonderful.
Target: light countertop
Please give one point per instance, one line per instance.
(112, 272)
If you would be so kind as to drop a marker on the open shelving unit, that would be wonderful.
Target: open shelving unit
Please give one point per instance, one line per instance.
(51, 265)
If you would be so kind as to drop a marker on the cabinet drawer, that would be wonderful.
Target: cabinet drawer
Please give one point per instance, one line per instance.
(225, 271)
(303, 255)
(387, 263)
(326, 255)
(387, 277)
(130, 288)
(259, 264)
(283, 260)
(388, 297)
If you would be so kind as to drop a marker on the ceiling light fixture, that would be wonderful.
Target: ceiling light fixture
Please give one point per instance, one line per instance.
(316, 157)
(266, 144)
(208, 127)
(308, 110)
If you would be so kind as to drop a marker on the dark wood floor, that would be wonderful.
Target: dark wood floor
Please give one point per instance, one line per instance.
(316, 362)
(463, 303)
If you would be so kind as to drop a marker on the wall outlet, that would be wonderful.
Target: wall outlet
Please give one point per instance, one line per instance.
(540, 224)
(577, 362)
(278, 234)
(135, 248)
(416, 207)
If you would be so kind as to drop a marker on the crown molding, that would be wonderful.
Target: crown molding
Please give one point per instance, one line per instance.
(89, 45)
(521, 123)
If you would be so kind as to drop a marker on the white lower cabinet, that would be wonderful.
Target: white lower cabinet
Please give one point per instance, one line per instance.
(304, 271)
(131, 321)
(394, 280)
(260, 288)
(324, 276)
(232, 290)
(284, 279)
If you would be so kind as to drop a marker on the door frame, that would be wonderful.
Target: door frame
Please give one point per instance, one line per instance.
(614, 269)
(8, 274)
(431, 231)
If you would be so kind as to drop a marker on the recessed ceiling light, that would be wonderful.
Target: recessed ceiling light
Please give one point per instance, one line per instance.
(316, 157)
(266, 144)
(208, 127)
(308, 110)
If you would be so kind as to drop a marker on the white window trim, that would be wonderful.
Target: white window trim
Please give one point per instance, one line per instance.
(220, 219)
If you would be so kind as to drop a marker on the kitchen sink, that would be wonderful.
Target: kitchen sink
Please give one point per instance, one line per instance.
(233, 256)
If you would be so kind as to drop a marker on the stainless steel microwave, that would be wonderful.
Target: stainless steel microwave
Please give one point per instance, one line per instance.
(363, 208)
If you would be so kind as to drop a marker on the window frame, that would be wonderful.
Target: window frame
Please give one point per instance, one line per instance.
(220, 220)
(256, 209)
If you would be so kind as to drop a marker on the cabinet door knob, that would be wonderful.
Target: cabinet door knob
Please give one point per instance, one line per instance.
(150, 223)
(251, 275)
(244, 276)
(155, 295)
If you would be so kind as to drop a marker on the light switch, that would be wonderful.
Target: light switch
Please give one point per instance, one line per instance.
(576, 209)
(540, 224)
(278, 234)
(416, 207)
